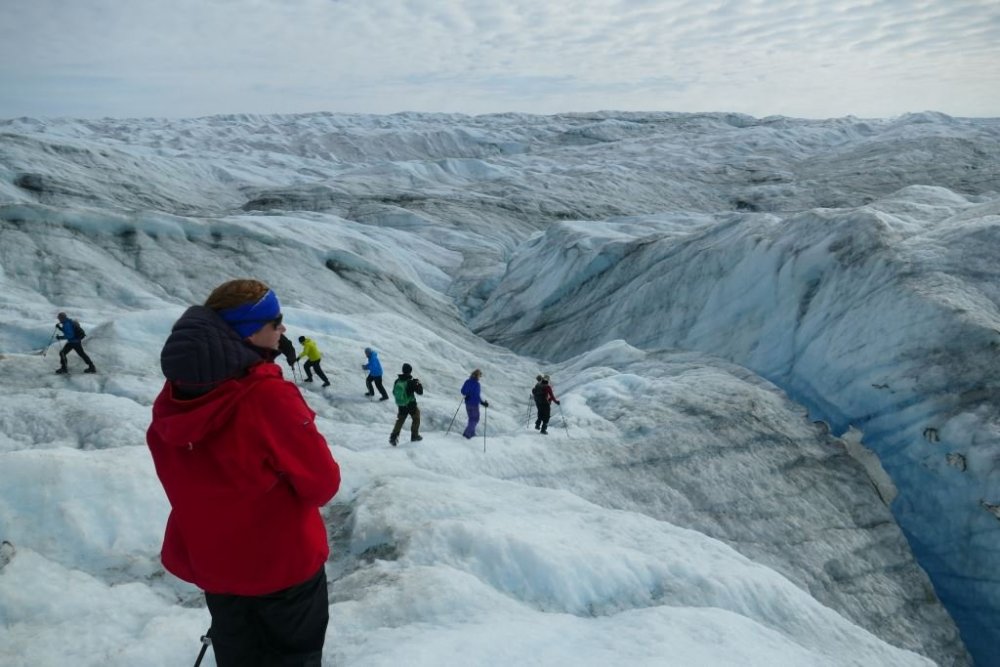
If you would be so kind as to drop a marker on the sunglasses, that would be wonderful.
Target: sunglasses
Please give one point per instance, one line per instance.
(276, 322)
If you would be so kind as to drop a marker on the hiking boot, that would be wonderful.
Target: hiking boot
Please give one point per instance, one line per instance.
(326, 384)
(416, 438)
(369, 393)
(308, 380)
(537, 426)
(384, 398)
(91, 370)
(393, 440)
(61, 371)
(544, 432)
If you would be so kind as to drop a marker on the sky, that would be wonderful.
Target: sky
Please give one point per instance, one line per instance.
(800, 58)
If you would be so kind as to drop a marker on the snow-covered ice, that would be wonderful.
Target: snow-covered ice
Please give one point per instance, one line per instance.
(718, 299)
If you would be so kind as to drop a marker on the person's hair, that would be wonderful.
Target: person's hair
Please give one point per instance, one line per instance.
(538, 378)
(236, 293)
(476, 373)
(302, 339)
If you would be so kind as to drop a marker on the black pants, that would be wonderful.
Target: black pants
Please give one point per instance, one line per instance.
(544, 412)
(75, 346)
(285, 628)
(402, 412)
(311, 366)
(377, 381)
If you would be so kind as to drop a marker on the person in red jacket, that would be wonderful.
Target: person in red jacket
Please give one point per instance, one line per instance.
(246, 471)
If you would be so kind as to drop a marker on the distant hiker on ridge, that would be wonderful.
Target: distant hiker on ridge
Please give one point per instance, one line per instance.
(374, 368)
(73, 334)
(310, 351)
(245, 471)
(404, 390)
(543, 395)
(471, 391)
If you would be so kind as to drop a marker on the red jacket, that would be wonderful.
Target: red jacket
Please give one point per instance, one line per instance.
(246, 472)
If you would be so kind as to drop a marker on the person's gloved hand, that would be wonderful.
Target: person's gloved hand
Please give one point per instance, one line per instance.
(290, 363)
(60, 337)
(558, 403)
(486, 404)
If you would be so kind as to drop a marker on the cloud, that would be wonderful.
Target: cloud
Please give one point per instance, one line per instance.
(225, 55)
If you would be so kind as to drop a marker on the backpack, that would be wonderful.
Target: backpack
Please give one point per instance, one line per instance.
(399, 392)
(80, 333)
(539, 393)
(287, 348)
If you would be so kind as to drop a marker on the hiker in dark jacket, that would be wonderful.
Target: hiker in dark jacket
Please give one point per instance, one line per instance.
(405, 390)
(543, 395)
(287, 348)
(374, 368)
(70, 332)
(471, 391)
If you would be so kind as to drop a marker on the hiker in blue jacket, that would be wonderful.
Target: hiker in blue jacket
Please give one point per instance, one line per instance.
(374, 368)
(471, 391)
(70, 332)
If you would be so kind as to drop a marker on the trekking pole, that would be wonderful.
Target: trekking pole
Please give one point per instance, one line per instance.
(206, 641)
(563, 417)
(486, 416)
(527, 421)
(454, 416)
(51, 340)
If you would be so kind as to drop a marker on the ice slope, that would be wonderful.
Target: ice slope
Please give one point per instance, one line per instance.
(882, 317)
(395, 230)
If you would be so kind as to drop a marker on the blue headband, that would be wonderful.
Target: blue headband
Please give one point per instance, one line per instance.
(250, 318)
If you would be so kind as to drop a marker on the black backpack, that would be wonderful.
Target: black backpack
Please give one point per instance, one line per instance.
(80, 333)
(539, 393)
(287, 348)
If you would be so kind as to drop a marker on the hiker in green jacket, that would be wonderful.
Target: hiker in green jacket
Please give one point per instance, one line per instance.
(405, 390)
